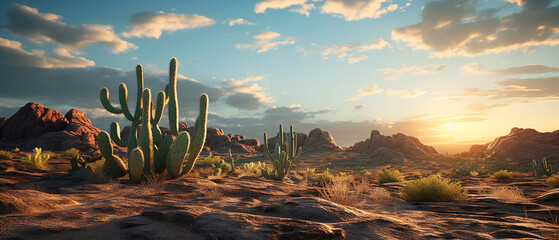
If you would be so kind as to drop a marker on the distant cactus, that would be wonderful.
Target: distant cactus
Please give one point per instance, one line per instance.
(37, 159)
(152, 153)
(285, 152)
(543, 167)
(231, 160)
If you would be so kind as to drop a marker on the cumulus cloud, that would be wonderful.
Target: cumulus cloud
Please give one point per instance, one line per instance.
(353, 10)
(303, 9)
(266, 41)
(12, 54)
(369, 90)
(349, 51)
(46, 27)
(458, 28)
(239, 21)
(247, 100)
(478, 68)
(261, 7)
(152, 24)
(245, 93)
(392, 74)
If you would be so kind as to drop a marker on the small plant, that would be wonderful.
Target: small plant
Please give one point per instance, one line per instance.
(474, 174)
(433, 188)
(506, 193)
(72, 152)
(309, 173)
(553, 180)
(468, 169)
(543, 167)
(222, 168)
(5, 155)
(36, 160)
(285, 152)
(324, 178)
(77, 162)
(156, 182)
(231, 160)
(210, 160)
(16, 150)
(252, 167)
(389, 174)
(378, 194)
(344, 191)
(503, 175)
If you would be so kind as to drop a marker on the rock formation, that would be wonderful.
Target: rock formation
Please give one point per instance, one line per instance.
(393, 148)
(318, 140)
(522, 144)
(33, 125)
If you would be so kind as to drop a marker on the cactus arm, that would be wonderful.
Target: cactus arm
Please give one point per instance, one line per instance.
(136, 163)
(162, 153)
(199, 137)
(115, 135)
(146, 137)
(113, 165)
(104, 96)
(156, 134)
(177, 152)
(139, 90)
(159, 108)
(133, 137)
(123, 97)
(266, 146)
(173, 101)
(280, 136)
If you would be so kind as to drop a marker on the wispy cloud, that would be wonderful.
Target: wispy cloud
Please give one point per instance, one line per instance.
(392, 74)
(358, 9)
(12, 54)
(404, 93)
(478, 68)
(484, 107)
(266, 41)
(369, 90)
(352, 53)
(152, 24)
(519, 90)
(39, 27)
(239, 21)
(458, 28)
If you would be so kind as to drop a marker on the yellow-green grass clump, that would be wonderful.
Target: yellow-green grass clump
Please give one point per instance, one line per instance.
(553, 180)
(389, 174)
(324, 178)
(503, 175)
(210, 160)
(72, 152)
(5, 155)
(37, 159)
(433, 189)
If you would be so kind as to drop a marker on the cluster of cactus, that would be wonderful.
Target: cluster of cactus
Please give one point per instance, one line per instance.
(285, 152)
(231, 160)
(37, 159)
(222, 167)
(543, 167)
(148, 151)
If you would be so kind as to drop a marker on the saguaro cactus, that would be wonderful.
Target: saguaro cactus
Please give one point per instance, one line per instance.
(285, 152)
(155, 153)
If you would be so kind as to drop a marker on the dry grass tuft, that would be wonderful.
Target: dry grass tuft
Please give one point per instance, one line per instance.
(553, 180)
(503, 175)
(379, 194)
(388, 174)
(156, 182)
(72, 152)
(506, 193)
(343, 190)
(5, 155)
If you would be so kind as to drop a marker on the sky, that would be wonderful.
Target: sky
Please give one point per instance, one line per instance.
(451, 72)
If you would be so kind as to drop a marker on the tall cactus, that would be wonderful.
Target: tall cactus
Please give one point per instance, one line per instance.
(175, 153)
(285, 152)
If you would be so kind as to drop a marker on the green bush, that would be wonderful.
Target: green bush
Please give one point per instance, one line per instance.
(5, 155)
(37, 159)
(553, 180)
(503, 175)
(252, 167)
(222, 168)
(210, 160)
(72, 152)
(16, 150)
(433, 188)
(388, 174)
(324, 178)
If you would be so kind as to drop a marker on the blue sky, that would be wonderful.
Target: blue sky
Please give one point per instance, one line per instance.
(452, 72)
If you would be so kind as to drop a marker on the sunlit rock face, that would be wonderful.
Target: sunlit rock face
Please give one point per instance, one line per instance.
(393, 148)
(521, 143)
(317, 140)
(33, 125)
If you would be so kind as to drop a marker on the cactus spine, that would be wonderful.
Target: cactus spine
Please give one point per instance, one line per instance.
(176, 153)
(285, 152)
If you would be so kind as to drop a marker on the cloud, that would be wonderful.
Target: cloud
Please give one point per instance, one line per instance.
(46, 27)
(483, 107)
(247, 101)
(369, 90)
(353, 10)
(358, 107)
(457, 28)
(239, 21)
(245, 80)
(265, 42)
(303, 9)
(152, 24)
(404, 93)
(477, 68)
(525, 90)
(11, 54)
(350, 50)
(245, 93)
(392, 74)
(261, 7)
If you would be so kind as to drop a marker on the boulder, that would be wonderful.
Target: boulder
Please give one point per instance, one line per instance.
(521, 144)
(407, 146)
(31, 121)
(320, 140)
(384, 154)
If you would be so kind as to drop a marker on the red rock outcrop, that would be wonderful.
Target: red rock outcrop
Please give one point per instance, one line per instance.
(408, 146)
(317, 140)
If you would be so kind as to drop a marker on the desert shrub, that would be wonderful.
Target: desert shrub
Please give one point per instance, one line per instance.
(378, 194)
(252, 167)
(156, 182)
(503, 175)
(309, 173)
(324, 178)
(506, 193)
(222, 168)
(344, 191)
(36, 160)
(209, 160)
(16, 150)
(72, 152)
(433, 188)
(474, 174)
(5, 155)
(470, 169)
(543, 167)
(553, 180)
(389, 174)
